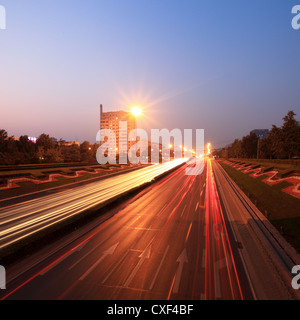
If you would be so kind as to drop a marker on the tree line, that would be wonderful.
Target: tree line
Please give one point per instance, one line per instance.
(45, 150)
(281, 143)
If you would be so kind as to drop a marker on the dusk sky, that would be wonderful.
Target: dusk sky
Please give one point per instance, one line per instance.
(224, 66)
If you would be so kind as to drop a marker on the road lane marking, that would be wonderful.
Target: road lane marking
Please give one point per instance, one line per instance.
(217, 266)
(145, 255)
(144, 229)
(65, 257)
(136, 250)
(188, 233)
(120, 261)
(159, 267)
(161, 210)
(84, 256)
(107, 252)
(116, 266)
(38, 273)
(134, 220)
(182, 259)
(182, 212)
(197, 206)
(169, 295)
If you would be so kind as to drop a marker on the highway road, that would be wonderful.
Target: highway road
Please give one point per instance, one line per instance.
(183, 237)
(23, 219)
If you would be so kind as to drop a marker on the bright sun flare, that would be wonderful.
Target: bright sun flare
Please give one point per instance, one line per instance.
(136, 111)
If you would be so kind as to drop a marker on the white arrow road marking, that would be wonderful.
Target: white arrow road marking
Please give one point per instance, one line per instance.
(182, 259)
(109, 251)
(143, 256)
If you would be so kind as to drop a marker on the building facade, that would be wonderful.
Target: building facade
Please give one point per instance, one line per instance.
(119, 135)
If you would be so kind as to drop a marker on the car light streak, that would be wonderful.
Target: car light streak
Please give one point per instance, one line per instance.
(19, 221)
(220, 270)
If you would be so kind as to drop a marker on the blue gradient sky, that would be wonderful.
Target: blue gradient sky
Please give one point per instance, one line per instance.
(224, 66)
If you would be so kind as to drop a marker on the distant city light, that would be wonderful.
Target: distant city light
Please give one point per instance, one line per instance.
(208, 149)
(32, 139)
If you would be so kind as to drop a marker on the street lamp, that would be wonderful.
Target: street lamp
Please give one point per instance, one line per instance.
(208, 149)
(136, 111)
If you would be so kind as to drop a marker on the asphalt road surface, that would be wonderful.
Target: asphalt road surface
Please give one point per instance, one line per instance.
(23, 219)
(184, 237)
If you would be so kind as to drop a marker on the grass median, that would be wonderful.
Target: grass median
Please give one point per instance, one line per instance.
(282, 209)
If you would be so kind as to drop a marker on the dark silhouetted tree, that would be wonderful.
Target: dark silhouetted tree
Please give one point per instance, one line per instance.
(291, 135)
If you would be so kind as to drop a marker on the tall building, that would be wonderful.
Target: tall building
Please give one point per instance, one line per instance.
(111, 120)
